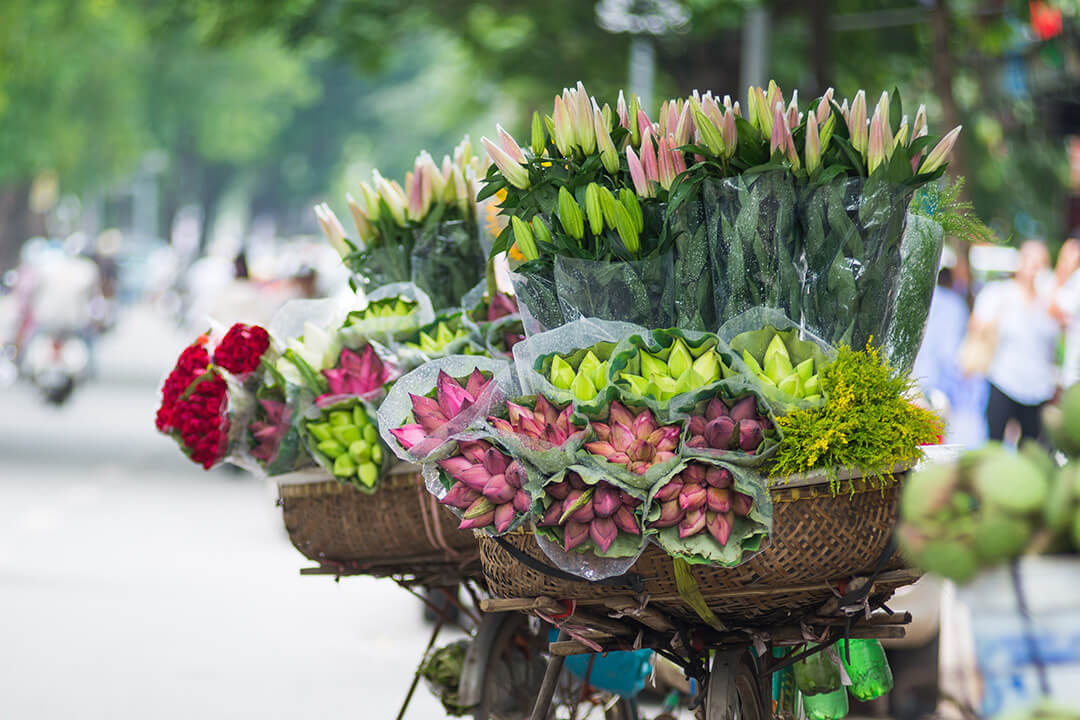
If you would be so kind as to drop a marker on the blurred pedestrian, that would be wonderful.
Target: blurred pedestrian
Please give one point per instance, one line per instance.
(1067, 302)
(1021, 333)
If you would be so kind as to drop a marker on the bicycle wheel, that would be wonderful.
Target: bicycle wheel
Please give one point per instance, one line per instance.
(514, 671)
(734, 689)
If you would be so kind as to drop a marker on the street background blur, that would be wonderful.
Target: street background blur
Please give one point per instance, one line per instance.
(180, 146)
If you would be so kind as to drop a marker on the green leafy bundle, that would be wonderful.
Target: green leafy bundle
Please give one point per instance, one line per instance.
(867, 422)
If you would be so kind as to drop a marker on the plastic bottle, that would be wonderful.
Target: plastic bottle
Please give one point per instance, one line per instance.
(868, 668)
(817, 673)
(785, 695)
(826, 706)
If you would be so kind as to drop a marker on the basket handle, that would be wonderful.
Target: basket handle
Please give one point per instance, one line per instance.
(627, 580)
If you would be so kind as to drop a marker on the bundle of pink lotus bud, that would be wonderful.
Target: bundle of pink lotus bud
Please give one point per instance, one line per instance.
(580, 374)
(579, 515)
(728, 426)
(486, 487)
(634, 439)
(542, 425)
(432, 413)
(701, 498)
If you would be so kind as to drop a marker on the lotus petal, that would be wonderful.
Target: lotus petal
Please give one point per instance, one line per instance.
(504, 517)
(719, 526)
(603, 532)
(625, 520)
(719, 477)
(574, 534)
(409, 435)
(692, 523)
(742, 504)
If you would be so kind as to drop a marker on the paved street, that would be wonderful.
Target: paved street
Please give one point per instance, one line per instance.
(133, 585)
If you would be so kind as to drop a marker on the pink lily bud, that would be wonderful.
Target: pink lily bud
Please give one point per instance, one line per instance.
(504, 517)
(845, 111)
(603, 532)
(415, 195)
(669, 491)
(793, 115)
(460, 496)
(692, 497)
(510, 145)
(606, 501)
(685, 127)
(901, 134)
(741, 504)
(626, 521)
(875, 153)
(824, 107)
(666, 166)
(718, 500)
(648, 157)
(512, 170)
(585, 128)
(774, 95)
(744, 409)
(918, 128)
(642, 186)
(692, 523)
(365, 231)
(645, 125)
(729, 132)
(574, 533)
(886, 123)
(719, 526)
(670, 515)
(620, 110)
(813, 144)
(857, 129)
(719, 477)
(940, 154)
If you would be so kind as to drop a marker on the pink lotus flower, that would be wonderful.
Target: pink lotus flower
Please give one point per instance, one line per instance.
(544, 423)
(590, 512)
(635, 441)
(451, 399)
(701, 499)
(488, 486)
(739, 427)
(361, 375)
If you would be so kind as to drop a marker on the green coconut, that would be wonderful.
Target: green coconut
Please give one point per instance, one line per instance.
(999, 536)
(927, 492)
(952, 559)
(1011, 482)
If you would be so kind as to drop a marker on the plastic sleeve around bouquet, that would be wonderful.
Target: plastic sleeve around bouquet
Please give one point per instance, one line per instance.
(537, 300)
(920, 255)
(272, 444)
(436, 440)
(692, 226)
(626, 360)
(574, 545)
(533, 356)
(547, 457)
(485, 488)
(852, 231)
(708, 436)
(357, 329)
(447, 260)
(640, 292)
(752, 331)
(752, 243)
(744, 530)
(381, 265)
(503, 334)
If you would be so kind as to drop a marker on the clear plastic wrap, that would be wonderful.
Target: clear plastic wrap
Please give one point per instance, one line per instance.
(534, 356)
(447, 260)
(396, 410)
(447, 334)
(749, 527)
(273, 445)
(495, 322)
(920, 256)
(378, 266)
(587, 559)
(537, 300)
(753, 250)
(640, 292)
(692, 225)
(369, 323)
(852, 231)
(340, 433)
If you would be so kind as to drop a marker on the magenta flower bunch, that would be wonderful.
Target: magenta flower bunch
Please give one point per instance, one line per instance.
(488, 486)
(451, 398)
(635, 440)
(739, 427)
(701, 498)
(590, 512)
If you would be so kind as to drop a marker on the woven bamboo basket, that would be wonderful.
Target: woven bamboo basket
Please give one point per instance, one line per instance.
(817, 541)
(398, 530)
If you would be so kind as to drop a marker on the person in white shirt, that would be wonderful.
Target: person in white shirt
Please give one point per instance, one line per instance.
(1022, 373)
(1067, 299)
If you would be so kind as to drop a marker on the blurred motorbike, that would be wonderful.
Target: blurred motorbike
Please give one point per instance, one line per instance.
(55, 363)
